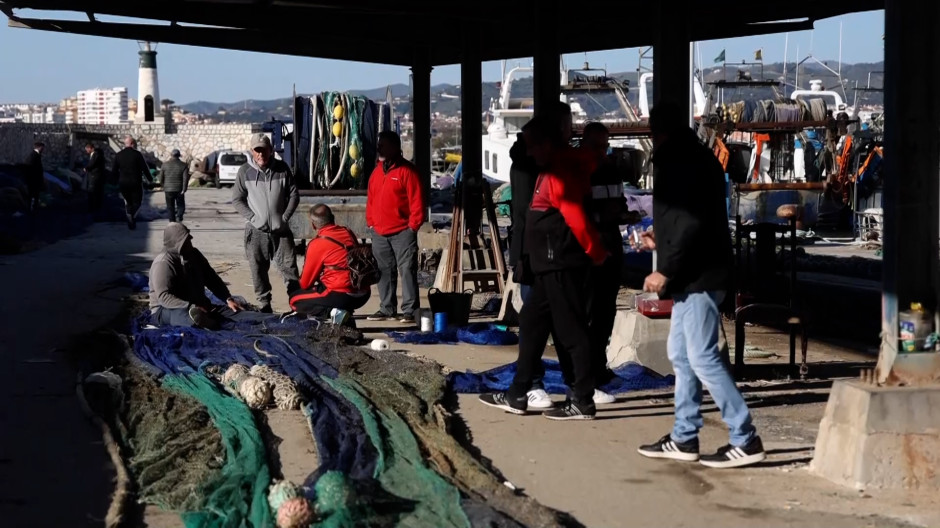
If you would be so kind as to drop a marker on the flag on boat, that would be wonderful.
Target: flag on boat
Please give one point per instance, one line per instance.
(720, 57)
(759, 55)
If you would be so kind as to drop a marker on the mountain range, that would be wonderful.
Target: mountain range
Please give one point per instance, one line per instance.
(445, 98)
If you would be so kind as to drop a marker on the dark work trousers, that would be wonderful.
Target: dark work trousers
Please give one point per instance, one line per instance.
(396, 254)
(318, 302)
(261, 249)
(602, 308)
(175, 205)
(181, 317)
(34, 187)
(557, 305)
(133, 194)
(95, 193)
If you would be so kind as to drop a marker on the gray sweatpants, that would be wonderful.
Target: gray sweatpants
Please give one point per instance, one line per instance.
(397, 253)
(261, 249)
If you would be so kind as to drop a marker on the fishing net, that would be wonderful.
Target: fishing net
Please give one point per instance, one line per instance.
(376, 420)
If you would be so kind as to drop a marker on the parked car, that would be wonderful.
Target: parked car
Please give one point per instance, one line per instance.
(226, 169)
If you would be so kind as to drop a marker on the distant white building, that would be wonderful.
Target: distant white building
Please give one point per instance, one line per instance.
(102, 107)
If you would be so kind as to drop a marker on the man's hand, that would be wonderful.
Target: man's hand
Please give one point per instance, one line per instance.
(655, 283)
(234, 305)
(648, 239)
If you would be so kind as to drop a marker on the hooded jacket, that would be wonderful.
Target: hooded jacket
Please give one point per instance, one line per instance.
(266, 197)
(690, 219)
(179, 282)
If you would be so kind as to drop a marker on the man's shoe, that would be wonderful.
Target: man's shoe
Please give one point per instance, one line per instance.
(380, 316)
(501, 400)
(202, 318)
(601, 397)
(571, 411)
(266, 308)
(539, 399)
(730, 456)
(666, 447)
(407, 319)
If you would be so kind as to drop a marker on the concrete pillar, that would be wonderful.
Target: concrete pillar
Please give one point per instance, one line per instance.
(672, 57)
(471, 125)
(421, 116)
(911, 188)
(546, 56)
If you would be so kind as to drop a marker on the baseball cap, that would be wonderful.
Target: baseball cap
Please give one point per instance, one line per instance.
(175, 153)
(260, 140)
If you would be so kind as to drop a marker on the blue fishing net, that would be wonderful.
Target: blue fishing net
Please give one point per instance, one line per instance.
(475, 334)
(629, 377)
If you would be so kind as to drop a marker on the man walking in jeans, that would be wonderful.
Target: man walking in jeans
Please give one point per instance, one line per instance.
(690, 234)
(395, 208)
(175, 179)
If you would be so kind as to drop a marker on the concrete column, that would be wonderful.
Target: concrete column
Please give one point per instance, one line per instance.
(672, 58)
(421, 116)
(471, 126)
(546, 56)
(911, 188)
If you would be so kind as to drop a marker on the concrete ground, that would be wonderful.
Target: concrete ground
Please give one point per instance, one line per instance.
(589, 469)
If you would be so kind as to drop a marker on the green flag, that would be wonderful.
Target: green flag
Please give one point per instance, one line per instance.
(720, 57)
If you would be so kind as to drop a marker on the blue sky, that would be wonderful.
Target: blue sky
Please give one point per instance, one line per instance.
(44, 66)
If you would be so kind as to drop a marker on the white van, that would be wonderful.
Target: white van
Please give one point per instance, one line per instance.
(226, 169)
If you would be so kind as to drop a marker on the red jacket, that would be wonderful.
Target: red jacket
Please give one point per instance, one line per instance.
(323, 256)
(565, 187)
(395, 201)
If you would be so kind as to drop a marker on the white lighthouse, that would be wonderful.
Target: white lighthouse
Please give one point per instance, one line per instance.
(148, 91)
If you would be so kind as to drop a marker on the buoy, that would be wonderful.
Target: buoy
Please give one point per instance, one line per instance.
(354, 170)
(337, 112)
(255, 391)
(233, 375)
(295, 513)
(280, 492)
(354, 151)
(337, 129)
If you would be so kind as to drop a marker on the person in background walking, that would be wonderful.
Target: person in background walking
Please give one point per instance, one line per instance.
(395, 210)
(132, 170)
(94, 172)
(35, 175)
(175, 175)
(693, 266)
(607, 209)
(266, 195)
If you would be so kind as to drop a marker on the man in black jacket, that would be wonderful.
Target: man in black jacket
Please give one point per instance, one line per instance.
(131, 169)
(94, 172)
(35, 175)
(608, 210)
(694, 259)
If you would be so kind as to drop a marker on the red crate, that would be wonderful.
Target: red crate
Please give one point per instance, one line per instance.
(654, 308)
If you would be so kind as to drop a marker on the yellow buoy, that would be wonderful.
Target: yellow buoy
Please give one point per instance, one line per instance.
(337, 112)
(337, 129)
(354, 170)
(354, 151)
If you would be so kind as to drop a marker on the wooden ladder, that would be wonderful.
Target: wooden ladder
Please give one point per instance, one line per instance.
(487, 269)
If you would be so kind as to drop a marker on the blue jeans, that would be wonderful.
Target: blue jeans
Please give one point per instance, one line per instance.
(693, 350)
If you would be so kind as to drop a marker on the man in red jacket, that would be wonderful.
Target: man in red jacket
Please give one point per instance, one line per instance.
(395, 210)
(560, 247)
(325, 282)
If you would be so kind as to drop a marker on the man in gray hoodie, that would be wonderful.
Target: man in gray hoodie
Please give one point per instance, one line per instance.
(179, 277)
(265, 194)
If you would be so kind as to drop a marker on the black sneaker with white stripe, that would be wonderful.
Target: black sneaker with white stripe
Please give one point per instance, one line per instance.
(666, 447)
(571, 411)
(730, 456)
(502, 400)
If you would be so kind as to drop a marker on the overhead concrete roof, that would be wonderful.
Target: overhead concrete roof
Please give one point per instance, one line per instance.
(398, 31)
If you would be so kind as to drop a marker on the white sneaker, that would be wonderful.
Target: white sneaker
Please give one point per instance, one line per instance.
(601, 397)
(539, 399)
